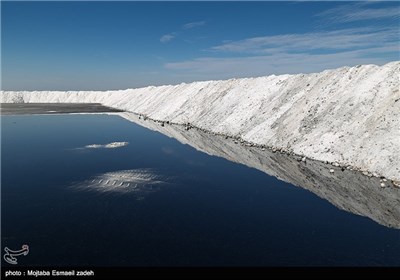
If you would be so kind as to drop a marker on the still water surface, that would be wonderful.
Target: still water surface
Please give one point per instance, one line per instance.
(156, 202)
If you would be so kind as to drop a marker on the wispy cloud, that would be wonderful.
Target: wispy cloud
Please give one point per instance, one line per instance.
(166, 38)
(293, 53)
(377, 42)
(112, 145)
(191, 25)
(327, 40)
(359, 11)
(134, 181)
(283, 63)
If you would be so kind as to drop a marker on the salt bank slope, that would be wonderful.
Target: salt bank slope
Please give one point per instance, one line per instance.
(348, 115)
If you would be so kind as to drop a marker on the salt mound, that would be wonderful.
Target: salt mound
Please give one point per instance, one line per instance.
(347, 116)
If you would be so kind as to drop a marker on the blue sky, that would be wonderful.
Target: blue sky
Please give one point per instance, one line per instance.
(119, 45)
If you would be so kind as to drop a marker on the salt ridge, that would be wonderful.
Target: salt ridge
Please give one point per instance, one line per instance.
(349, 116)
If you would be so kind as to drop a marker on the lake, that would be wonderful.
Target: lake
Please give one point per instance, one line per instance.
(149, 200)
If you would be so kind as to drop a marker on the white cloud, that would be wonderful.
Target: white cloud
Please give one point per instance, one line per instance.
(325, 40)
(139, 181)
(112, 145)
(293, 53)
(376, 43)
(166, 38)
(280, 63)
(359, 11)
(191, 25)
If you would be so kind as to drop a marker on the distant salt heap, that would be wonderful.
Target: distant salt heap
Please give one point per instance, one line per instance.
(347, 116)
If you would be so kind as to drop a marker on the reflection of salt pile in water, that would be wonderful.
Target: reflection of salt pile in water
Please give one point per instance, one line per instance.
(375, 198)
(125, 181)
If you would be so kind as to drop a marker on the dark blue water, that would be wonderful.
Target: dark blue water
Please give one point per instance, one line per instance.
(202, 211)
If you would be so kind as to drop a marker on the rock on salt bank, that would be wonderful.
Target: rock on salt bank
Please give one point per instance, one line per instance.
(348, 116)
